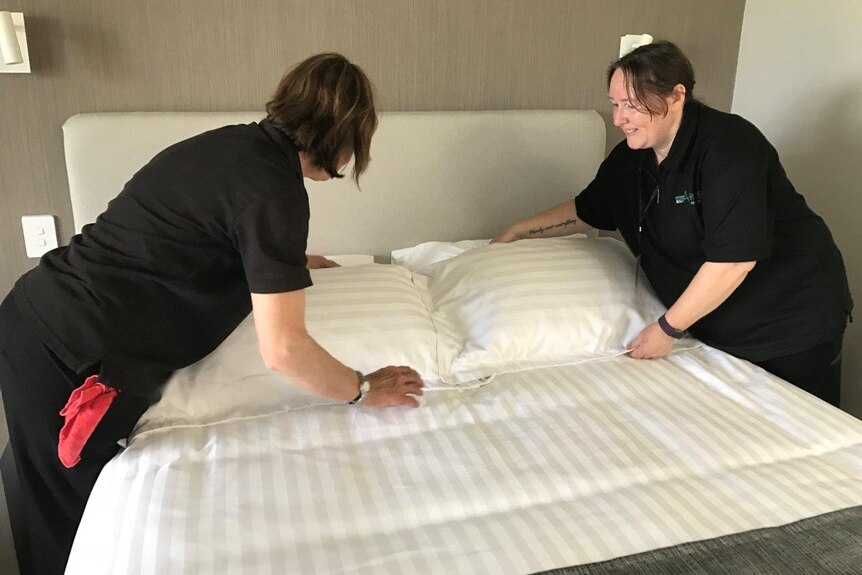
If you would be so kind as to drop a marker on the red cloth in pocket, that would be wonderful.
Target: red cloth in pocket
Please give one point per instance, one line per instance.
(83, 412)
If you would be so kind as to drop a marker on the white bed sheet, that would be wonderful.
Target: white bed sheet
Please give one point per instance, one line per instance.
(537, 470)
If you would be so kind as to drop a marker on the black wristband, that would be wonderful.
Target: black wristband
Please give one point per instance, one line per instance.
(669, 329)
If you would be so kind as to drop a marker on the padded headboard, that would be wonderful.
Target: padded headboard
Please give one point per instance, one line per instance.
(433, 176)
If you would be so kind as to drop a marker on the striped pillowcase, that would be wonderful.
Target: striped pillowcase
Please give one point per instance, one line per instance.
(535, 303)
(367, 316)
(371, 316)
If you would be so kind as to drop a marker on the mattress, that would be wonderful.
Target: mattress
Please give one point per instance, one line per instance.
(534, 471)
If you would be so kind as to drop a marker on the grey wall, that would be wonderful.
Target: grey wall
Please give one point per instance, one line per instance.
(123, 55)
(800, 81)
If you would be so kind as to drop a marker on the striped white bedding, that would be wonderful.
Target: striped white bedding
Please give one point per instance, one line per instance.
(536, 303)
(367, 316)
(536, 470)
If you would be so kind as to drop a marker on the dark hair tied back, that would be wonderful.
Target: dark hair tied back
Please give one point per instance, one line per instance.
(652, 72)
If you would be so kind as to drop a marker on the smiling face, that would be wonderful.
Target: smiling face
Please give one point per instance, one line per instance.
(642, 129)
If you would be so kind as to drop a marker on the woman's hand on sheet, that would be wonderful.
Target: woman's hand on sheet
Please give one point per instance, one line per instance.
(393, 386)
(651, 343)
(318, 262)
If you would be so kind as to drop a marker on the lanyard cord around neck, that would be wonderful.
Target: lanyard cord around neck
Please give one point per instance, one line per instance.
(643, 213)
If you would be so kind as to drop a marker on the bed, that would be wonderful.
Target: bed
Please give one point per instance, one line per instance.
(539, 446)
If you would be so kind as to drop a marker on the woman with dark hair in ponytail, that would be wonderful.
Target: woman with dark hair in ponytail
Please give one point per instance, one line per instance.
(730, 247)
(209, 230)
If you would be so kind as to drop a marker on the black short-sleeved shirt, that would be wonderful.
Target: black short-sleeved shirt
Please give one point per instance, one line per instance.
(164, 275)
(721, 195)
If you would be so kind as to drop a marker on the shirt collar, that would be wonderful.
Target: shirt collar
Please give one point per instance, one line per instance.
(683, 142)
(284, 143)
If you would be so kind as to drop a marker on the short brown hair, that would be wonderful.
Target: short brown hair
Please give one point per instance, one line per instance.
(326, 105)
(652, 72)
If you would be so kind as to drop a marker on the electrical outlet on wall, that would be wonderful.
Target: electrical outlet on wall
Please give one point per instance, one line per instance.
(40, 235)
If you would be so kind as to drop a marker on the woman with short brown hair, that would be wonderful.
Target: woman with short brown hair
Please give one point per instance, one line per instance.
(326, 105)
(209, 230)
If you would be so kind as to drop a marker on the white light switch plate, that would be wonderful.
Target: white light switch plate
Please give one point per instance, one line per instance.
(40, 235)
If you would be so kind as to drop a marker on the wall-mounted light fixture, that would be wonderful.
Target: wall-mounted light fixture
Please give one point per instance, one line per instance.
(13, 43)
(631, 41)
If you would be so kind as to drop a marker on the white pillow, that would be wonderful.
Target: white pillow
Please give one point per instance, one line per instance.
(419, 256)
(352, 259)
(429, 253)
(535, 303)
(370, 316)
(367, 316)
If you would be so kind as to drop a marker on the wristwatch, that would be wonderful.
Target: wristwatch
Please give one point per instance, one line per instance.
(669, 329)
(364, 387)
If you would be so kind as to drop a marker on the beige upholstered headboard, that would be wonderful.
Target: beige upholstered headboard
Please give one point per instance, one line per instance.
(433, 175)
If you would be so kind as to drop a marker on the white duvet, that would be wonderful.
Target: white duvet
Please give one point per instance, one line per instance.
(536, 470)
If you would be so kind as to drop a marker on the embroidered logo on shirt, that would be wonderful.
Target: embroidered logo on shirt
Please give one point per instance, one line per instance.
(687, 197)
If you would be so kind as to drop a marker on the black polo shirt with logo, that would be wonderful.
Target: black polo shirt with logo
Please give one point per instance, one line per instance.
(721, 195)
(165, 274)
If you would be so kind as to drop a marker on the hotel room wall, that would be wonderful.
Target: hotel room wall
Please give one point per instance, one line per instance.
(204, 55)
(800, 81)
(104, 55)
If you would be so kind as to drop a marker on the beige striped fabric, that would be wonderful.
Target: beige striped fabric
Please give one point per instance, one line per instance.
(535, 303)
(367, 316)
(490, 310)
(536, 470)
(370, 316)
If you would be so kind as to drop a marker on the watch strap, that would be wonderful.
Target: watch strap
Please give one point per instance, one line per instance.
(363, 385)
(669, 329)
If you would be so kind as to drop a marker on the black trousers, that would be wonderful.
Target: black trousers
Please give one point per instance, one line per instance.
(817, 370)
(35, 387)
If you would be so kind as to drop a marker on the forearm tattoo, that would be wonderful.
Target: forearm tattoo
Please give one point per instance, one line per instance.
(567, 223)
